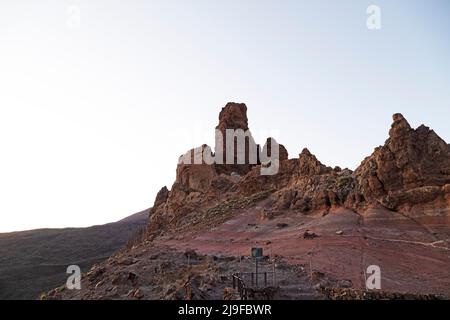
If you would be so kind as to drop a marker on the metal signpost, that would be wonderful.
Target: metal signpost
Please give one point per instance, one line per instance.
(257, 253)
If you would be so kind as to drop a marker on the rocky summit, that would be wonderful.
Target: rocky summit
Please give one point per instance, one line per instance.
(320, 227)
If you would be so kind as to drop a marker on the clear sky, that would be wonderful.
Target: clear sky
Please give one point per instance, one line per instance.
(99, 98)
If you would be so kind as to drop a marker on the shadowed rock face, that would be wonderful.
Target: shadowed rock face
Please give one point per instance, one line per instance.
(410, 173)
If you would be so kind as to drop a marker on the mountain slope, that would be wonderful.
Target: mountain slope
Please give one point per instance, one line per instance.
(34, 261)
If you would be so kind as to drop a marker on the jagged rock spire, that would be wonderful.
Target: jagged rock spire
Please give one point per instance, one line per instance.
(234, 116)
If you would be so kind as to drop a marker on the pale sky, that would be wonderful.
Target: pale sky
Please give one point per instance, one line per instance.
(93, 116)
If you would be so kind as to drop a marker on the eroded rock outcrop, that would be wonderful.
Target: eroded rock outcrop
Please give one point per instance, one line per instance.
(233, 119)
(204, 178)
(410, 173)
(411, 168)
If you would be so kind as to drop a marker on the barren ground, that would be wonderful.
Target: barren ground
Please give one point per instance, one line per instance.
(413, 254)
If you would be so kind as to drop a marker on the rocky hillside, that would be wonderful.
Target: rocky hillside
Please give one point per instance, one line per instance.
(410, 174)
(32, 262)
(392, 211)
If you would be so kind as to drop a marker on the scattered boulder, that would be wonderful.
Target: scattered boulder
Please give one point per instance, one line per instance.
(309, 235)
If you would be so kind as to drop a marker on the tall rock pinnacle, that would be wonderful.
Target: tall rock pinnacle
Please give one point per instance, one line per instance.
(234, 116)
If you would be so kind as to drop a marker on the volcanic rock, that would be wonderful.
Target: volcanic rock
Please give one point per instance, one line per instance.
(161, 197)
(234, 116)
(410, 173)
(267, 149)
(309, 165)
(410, 167)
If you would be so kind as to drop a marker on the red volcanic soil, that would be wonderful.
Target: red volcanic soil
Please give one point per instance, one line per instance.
(413, 254)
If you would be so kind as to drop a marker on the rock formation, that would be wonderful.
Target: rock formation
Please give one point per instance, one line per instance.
(410, 173)
(202, 184)
(412, 167)
(393, 210)
(233, 116)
